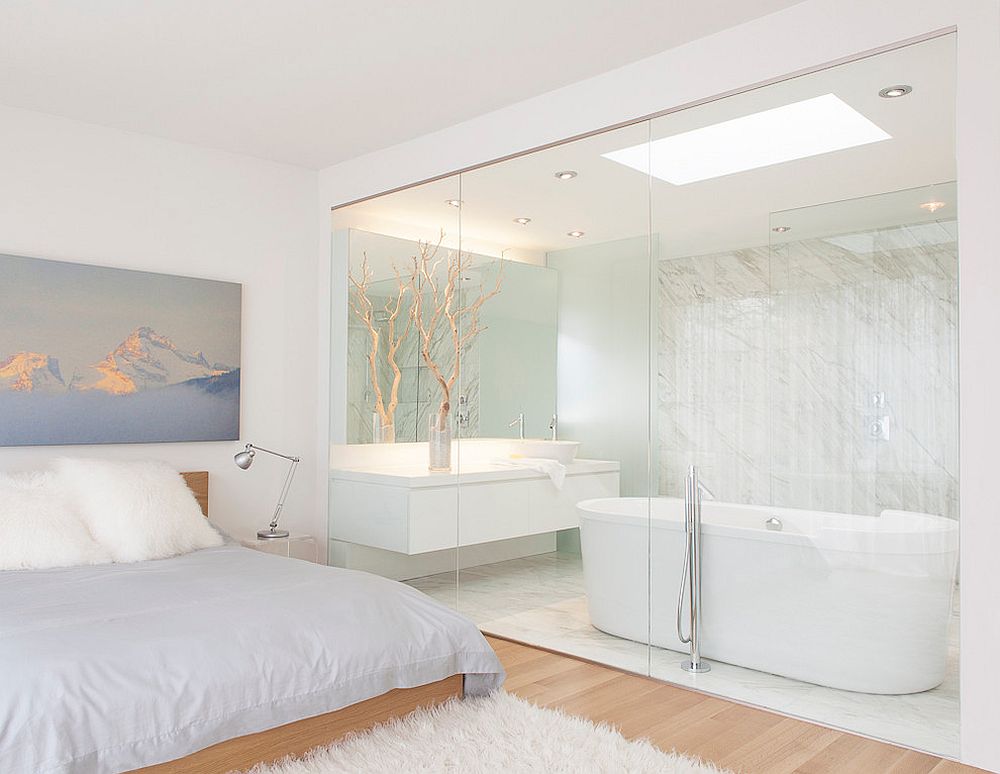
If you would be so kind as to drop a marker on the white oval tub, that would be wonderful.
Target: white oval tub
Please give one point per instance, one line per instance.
(860, 603)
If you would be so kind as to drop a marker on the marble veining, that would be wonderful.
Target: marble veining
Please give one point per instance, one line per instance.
(774, 363)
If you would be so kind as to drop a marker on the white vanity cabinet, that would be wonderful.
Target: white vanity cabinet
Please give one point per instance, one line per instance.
(410, 511)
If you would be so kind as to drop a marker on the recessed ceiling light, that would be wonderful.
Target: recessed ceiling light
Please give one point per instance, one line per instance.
(796, 131)
(453, 202)
(933, 206)
(566, 174)
(891, 92)
(522, 221)
(575, 234)
(781, 229)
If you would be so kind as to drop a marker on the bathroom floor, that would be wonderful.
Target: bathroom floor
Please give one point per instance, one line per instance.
(540, 600)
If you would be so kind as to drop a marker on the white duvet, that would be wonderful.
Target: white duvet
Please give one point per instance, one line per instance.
(112, 667)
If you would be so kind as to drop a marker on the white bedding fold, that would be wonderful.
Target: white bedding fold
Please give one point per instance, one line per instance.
(114, 667)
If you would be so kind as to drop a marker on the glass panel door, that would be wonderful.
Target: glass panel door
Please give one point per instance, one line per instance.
(806, 366)
(389, 513)
(557, 379)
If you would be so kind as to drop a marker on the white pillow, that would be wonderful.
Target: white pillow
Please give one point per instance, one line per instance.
(38, 527)
(136, 510)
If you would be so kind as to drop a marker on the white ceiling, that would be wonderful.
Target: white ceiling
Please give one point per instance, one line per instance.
(609, 201)
(313, 82)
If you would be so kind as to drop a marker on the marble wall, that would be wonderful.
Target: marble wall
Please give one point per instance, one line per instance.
(776, 363)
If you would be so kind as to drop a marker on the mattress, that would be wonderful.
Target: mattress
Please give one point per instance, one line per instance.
(112, 667)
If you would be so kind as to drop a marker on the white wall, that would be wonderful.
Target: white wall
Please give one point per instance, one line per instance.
(77, 192)
(805, 36)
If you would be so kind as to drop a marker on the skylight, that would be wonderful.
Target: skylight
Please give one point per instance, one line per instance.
(796, 131)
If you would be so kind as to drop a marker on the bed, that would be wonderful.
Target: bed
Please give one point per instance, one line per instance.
(216, 660)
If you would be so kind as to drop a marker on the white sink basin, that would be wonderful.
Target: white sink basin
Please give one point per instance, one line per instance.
(563, 451)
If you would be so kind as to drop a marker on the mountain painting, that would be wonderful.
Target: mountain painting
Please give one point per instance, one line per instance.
(94, 355)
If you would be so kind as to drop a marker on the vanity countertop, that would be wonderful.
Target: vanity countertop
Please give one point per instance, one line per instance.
(472, 472)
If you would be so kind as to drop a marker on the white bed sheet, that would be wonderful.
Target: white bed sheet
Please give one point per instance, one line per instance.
(112, 667)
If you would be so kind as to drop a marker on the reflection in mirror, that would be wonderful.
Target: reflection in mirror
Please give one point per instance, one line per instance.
(425, 320)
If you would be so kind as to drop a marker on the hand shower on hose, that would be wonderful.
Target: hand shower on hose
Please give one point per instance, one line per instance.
(691, 572)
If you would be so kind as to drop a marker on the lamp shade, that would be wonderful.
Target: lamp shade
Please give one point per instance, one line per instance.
(244, 459)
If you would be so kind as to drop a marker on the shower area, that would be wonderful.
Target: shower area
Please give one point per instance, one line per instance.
(762, 288)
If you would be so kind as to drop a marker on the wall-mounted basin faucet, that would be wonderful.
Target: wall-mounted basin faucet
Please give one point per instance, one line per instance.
(554, 427)
(519, 421)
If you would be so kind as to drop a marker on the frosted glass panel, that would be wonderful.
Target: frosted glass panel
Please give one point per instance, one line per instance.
(515, 355)
(603, 372)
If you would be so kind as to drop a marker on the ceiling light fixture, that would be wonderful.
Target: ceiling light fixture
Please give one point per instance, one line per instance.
(522, 221)
(891, 92)
(781, 229)
(566, 174)
(796, 131)
(453, 202)
(574, 234)
(933, 206)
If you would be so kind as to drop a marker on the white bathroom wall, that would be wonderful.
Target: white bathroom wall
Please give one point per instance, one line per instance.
(808, 35)
(77, 192)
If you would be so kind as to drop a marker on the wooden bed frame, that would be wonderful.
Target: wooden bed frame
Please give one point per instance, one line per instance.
(303, 735)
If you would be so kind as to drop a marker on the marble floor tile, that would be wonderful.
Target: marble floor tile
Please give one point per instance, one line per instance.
(541, 600)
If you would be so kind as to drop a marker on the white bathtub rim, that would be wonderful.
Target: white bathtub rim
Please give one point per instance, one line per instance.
(938, 535)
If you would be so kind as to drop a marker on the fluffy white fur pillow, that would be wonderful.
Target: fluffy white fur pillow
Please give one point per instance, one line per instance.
(136, 510)
(38, 527)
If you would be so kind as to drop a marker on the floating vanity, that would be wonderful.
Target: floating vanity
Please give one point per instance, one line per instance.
(384, 498)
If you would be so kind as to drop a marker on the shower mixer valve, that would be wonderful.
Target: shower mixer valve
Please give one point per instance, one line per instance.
(878, 428)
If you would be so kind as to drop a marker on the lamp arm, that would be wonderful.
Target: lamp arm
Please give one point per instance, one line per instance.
(284, 489)
(268, 451)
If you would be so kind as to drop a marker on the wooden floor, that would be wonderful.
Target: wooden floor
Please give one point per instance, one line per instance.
(730, 735)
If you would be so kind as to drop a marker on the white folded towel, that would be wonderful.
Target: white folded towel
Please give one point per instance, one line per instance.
(554, 469)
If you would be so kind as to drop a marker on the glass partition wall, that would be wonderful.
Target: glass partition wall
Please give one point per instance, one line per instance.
(760, 292)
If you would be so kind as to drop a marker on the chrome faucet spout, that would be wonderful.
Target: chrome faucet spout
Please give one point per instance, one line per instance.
(519, 421)
(554, 427)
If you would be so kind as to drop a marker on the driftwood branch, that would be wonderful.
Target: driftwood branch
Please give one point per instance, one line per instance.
(364, 310)
(443, 297)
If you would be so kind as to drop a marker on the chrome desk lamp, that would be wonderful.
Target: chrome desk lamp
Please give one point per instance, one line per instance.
(244, 460)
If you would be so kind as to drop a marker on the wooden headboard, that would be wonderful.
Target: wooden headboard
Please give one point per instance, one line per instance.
(197, 482)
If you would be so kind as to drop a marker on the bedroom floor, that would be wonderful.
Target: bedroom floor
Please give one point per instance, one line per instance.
(540, 600)
(728, 734)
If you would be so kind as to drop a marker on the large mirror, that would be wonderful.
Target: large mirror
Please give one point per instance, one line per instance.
(433, 323)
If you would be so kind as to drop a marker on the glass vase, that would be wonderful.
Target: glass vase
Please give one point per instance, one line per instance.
(382, 433)
(439, 444)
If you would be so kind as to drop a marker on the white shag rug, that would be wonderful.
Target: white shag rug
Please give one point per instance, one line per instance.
(497, 733)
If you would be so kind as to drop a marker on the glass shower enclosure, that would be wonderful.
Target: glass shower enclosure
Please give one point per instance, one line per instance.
(538, 353)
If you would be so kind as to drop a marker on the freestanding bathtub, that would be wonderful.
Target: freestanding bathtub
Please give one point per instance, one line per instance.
(860, 603)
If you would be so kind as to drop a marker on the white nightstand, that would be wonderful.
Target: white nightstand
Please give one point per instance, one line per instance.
(293, 546)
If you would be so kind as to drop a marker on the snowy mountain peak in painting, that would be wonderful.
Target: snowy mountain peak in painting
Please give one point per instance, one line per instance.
(146, 360)
(31, 372)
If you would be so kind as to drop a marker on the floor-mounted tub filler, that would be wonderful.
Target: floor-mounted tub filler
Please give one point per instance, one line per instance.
(859, 603)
